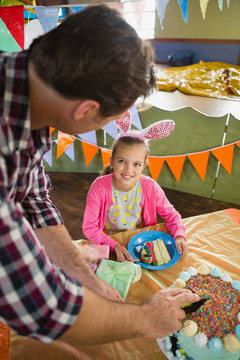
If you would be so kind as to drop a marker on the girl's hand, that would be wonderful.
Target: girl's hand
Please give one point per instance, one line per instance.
(181, 245)
(122, 254)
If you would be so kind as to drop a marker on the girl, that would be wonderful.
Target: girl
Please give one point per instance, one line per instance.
(124, 199)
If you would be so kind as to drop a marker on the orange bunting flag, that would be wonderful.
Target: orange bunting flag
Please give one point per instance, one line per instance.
(89, 151)
(225, 156)
(200, 161)
(106, 157)
(238, 144)
(155, 166)
(64, 141)
(176, 164)
(51, 129)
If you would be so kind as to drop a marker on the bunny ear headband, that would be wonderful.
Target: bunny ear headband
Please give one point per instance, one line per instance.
(155, 131)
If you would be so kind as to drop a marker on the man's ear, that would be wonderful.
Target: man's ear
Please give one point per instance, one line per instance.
(85, 108)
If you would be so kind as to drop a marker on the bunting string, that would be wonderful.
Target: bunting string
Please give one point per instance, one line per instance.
(199, 160)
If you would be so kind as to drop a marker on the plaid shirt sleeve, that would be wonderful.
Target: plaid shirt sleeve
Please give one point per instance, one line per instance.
(37, 298)
(38, 207)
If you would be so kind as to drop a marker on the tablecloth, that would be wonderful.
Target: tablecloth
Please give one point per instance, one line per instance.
(213, 239)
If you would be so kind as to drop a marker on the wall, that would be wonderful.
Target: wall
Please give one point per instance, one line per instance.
(215, 38)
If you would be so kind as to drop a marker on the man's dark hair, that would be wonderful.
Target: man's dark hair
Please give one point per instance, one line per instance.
(95, 54)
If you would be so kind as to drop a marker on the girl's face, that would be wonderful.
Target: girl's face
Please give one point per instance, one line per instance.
(128, 164)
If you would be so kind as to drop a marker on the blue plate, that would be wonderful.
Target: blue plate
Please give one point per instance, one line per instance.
(142, 237)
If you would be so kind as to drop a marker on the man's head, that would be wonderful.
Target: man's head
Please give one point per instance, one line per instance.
(94, 54)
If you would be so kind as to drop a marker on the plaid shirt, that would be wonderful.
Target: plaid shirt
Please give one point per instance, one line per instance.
(37, 299)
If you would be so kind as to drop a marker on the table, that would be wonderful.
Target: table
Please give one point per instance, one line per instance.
(213, 239)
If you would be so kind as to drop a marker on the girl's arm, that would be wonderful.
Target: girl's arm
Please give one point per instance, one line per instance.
(94, 217)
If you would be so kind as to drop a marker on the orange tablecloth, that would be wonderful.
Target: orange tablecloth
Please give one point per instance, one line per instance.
(213, 239)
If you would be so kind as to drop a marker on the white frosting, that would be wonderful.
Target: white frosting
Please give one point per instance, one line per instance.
(201, 339)
(192, 271)
(226, 277)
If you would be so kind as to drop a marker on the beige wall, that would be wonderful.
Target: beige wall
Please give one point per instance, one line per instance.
(218, 24)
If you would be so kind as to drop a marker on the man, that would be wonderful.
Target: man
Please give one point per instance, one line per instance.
(76, 78)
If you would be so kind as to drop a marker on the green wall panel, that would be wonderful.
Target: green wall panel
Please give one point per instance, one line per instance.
(227, 186)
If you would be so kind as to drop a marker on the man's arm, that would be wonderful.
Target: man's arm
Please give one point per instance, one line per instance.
(102, 321)
(63, 253)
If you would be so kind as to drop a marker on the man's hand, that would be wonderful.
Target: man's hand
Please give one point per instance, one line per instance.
(162, 314)
(108, 291)
(181, 245)
(121, 253)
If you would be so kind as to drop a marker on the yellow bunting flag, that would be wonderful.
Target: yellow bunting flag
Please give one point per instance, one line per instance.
(64, 141)
(225, 156)
(203, 6)
(176, 164)
(155, 166)
(200, 161)
(106, 156)
(89, 151)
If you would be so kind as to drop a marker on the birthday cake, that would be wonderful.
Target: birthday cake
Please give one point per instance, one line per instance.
(213, 330)
(155, 253)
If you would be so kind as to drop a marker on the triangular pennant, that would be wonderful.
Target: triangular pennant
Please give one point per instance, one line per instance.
(228, 3)
(238, 144)
(76, 9)
(64, 141)
(161, 8)
(176, 164)
(184, 7)
(225, 156)
(135, 117)
(111, 129)
(89, 136)
(203, 6)
(48, 17)
(70, 152)
(7, 43)
(220, 4)
(89, 151)
(13, 18)
(106, 156)
(138, 10)
(155, 166)
(48, 157)
(51, 129)
(200, 161)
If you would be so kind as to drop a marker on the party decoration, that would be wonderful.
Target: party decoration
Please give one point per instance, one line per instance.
(200, 161)
(33, 29)
(203, 6)
(155, 166)
(48, 17)
(12, 28)
(89, 151)
(176, 165)
(184, 7)
(220, 4)
(64, 141)
(162, 4)
(106, 156)
(225, 156)
(161, 8)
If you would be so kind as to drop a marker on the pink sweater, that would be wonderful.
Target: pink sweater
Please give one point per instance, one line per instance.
(153, 201)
